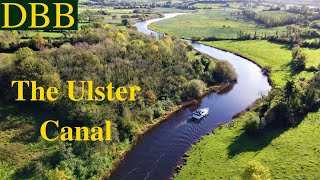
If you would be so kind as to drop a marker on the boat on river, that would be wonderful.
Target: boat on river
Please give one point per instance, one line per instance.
(200, 113)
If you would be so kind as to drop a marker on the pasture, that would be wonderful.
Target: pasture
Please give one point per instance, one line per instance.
(219, 23)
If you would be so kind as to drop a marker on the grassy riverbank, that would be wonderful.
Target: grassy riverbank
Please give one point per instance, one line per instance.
(289, 153)
(275, 56)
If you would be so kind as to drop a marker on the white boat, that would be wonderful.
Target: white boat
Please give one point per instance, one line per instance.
(200, 113)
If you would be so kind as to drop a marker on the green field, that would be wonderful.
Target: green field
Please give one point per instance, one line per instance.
(277, 14)
(277, 56)
(170, 10)
(217, 5)
(108, 9)
(212, 23)
(291, 154)
(43, 34)
(202, 5)
(108, 19)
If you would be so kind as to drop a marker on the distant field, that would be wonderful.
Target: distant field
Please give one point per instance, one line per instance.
(43, 34)
(276, 56)
(108, 19)
(171, 10)
(202, 5)
(208, 23)
(277, 14)
(216, 5)
(108, 9)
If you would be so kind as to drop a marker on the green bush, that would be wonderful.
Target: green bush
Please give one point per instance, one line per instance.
(57, 174)
(279, 115)
(255, 171)
(298, 58)
(196, 88)
(158, 111)
(254, 124)
(147, 114)
(224, 72)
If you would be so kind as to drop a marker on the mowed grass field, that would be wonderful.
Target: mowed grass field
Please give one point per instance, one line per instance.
(212, 23)
(275, 56)
(289, 154)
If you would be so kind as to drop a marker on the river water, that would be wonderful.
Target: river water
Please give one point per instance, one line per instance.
(159, 151)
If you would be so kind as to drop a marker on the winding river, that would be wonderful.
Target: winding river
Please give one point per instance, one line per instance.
(160, 150)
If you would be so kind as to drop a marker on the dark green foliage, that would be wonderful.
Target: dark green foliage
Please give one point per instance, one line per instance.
(283, 108)
(195, 39)
(279, 115)
(224, 72)
(125, 22)
(254, 124)
(158, 111)
(190, 47)
(298, 58)
(196, 88)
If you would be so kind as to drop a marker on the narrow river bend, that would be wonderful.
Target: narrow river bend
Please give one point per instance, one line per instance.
(159, 151)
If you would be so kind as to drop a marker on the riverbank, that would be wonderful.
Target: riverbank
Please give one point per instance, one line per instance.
(284, 151)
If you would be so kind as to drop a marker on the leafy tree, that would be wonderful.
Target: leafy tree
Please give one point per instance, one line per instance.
(158, 111)
(23, 53)
(196, 88)
(33, 69)
(57, 174)
(151, 97)
(125, 22)
(298, 58)
(280, 114)
(224, 72)
(289, 89)
(254, 124)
